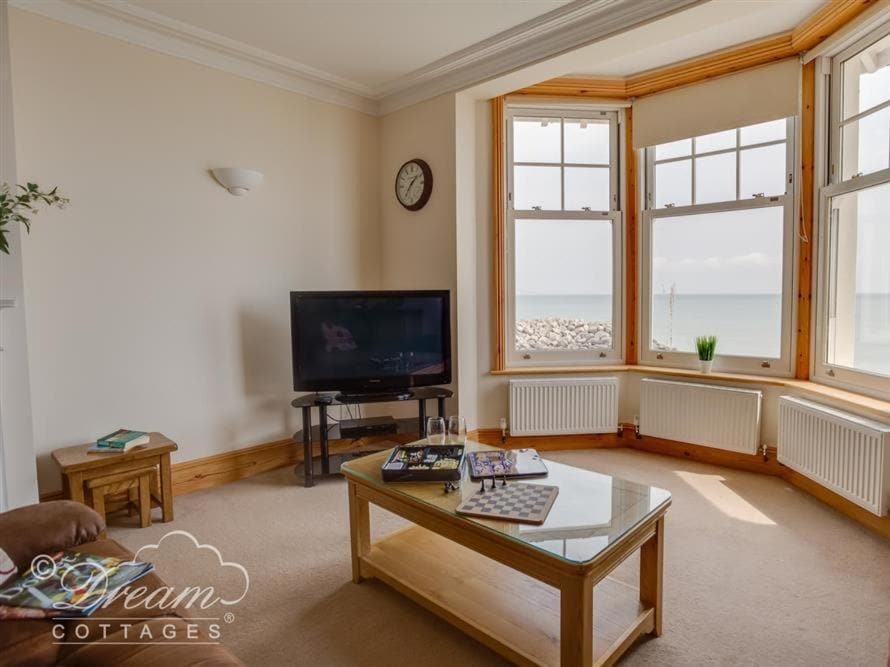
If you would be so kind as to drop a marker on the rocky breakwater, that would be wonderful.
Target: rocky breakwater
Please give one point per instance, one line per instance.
(554, 333)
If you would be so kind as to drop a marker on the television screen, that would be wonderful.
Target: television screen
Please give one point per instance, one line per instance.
(370, 341)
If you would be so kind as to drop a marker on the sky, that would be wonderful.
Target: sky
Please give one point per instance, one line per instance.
(563, 257)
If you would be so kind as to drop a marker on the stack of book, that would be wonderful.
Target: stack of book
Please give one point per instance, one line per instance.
(121, 440)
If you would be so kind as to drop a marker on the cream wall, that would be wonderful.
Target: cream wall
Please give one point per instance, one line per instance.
(157, 300)
(466, 226)
(418, 248)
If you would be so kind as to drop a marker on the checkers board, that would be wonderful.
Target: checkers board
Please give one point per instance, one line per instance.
(517, 501)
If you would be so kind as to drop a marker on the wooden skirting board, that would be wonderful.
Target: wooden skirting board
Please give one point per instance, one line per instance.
(218, 469)
(210, 471)
(231, 466)
(228, 467)
(492, 436)
(628, 439)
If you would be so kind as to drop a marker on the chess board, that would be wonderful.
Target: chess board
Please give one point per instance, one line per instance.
(517, 501)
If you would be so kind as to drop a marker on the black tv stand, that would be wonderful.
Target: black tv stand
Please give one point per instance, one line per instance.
(375, 397)
(322, 402)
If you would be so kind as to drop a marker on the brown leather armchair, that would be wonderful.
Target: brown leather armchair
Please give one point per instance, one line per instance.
(63, 525)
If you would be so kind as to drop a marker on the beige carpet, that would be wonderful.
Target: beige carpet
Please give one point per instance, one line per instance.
(756, 573)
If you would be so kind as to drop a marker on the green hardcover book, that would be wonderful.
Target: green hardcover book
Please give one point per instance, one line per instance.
(123, 439)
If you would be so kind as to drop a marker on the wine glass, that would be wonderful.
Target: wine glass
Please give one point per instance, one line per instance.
(457, 430)
(435, 431)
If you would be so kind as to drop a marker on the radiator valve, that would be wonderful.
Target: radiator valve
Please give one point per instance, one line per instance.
(503, 425)
(763, 451)
(637, 427)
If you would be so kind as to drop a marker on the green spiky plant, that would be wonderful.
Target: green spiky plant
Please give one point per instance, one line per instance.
(706, 346)
(21, 206)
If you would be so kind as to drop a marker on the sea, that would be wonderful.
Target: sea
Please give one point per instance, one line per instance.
(746, 324)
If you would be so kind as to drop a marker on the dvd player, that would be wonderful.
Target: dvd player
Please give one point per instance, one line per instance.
(359, 428)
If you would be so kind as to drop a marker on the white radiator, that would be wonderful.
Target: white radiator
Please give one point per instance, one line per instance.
(560, 406)
(701, 414)
(844, 452)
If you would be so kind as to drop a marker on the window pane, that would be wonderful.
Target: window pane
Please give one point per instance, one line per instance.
(587, 187)
(721, 274)
(715, 178)
(866, 144)
(536, 186)
(673, 183)
(774, 130)
(866, 78)
(586, 141)
(715, 142)
(859, 276)
(680, 148)
(563, 284)
(763, 170)
(536, 140)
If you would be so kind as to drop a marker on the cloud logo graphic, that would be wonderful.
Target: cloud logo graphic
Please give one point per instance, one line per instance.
(209, 547)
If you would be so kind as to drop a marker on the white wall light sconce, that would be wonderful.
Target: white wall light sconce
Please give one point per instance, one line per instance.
(236, 180)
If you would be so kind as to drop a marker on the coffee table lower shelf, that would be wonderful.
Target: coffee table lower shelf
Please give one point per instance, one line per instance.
(513, 614)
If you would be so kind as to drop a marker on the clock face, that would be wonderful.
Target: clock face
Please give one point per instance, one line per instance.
(414, 184)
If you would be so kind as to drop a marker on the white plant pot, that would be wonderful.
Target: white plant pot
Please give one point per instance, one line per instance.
(705, 365)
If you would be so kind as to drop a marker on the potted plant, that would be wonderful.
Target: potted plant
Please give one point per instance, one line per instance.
(20, 207)
(706, 345)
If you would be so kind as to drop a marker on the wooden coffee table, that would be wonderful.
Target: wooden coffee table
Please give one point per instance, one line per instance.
(538, 595)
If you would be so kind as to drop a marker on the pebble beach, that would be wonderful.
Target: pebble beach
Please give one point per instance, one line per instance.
(555, 333)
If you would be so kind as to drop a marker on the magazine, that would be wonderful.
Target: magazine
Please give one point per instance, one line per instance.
(70, 583)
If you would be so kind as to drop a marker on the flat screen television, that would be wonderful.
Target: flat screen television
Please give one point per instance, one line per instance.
(370, 342)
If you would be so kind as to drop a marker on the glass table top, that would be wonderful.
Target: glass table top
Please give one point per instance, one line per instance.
(591, 512)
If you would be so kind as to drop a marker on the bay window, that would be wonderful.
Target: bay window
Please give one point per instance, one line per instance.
(853, 313)
(718, 247)
(563, 237)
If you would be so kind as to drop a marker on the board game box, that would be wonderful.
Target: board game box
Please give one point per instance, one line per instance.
(509, 463)
(434, 463)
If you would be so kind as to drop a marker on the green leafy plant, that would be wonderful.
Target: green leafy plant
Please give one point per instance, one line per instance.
(21, 206)
(706, 346)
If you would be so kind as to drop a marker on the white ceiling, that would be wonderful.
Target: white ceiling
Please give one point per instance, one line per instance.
(369, 43)
(718, 24)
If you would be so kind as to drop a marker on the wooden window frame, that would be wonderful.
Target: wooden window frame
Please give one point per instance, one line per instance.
(832, 184)
(810, 34)
(783, 365)
(504, 352)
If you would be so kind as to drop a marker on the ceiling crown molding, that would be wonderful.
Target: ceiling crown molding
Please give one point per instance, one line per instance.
(568, 27)
(564, 29)
(155, 31)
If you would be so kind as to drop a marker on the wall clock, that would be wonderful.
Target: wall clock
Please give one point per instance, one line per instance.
(414, 184)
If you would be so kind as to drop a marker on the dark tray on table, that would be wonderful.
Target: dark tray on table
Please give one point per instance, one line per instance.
(424, 463)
